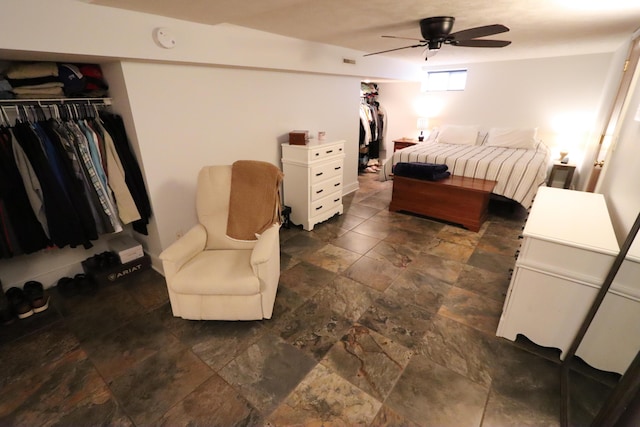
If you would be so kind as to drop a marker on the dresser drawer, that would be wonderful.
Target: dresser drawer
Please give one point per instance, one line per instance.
(325, 152)
(326, 171)
(315, 152)
(326, 187)
(326, 204)
(572, 262)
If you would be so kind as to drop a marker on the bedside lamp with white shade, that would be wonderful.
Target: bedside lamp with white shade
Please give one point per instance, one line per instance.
(423, 124)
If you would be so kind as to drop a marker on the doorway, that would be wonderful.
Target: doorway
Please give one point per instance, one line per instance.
(610, 129)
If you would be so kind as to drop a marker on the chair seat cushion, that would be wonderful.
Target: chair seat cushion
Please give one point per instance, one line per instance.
(217, 272)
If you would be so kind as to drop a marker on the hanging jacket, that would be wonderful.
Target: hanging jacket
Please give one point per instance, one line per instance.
(19, 220)
(133, 175)
(64, 224)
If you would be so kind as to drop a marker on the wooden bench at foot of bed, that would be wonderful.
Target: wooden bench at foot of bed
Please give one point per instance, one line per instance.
(456, 199)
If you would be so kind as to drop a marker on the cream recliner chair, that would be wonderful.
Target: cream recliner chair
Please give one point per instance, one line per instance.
(213, 277)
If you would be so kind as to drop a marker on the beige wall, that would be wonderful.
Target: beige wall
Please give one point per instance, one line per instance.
(548, 93)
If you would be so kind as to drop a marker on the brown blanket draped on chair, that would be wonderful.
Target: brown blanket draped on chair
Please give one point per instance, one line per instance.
(254, 203)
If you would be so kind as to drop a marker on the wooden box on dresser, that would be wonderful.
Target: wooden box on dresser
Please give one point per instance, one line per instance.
(567, 250)
(313, 181)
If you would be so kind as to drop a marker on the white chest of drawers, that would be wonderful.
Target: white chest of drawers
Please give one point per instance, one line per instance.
(613, 338)
(568, 248)
(313, 181)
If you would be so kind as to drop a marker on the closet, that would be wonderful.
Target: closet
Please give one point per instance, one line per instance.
(68, 174)
(372, 128)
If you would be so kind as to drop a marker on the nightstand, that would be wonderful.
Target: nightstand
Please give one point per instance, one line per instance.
(560, 169)
(399, 144)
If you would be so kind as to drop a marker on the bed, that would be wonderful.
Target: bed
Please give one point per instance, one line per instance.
(515, 158)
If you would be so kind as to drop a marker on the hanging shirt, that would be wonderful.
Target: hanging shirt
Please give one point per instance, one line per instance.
(127, 208)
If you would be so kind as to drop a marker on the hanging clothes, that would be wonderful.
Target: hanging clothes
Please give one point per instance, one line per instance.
(372, 127)
(64, 224)
(21, 231)
(133, 175)
(65, 181)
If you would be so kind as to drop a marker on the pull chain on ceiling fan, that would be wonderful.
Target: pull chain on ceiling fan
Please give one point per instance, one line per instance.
(436, 31)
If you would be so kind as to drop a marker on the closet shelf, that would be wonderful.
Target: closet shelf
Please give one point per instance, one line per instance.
(103, 101)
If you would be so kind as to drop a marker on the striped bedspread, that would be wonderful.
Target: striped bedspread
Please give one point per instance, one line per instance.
(519, 172)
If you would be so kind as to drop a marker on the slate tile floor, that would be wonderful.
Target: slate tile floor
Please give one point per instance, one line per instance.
(381, 319)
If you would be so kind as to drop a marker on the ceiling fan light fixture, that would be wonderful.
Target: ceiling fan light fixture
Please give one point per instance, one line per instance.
(430, 53)
(434, 44)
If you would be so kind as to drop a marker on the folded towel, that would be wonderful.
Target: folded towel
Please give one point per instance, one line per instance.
(424, 171)
(441, 175)
(34, 81)
(254, 203)
(29, 70)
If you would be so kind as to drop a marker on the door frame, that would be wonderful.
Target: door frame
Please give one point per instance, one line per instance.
(611, 128)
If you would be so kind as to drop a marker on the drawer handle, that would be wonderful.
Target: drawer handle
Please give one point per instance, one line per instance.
(336, 200)
(319, 191)
(319, 173)
(317, 154)
(336, 185)
(339, 149)
(338, 168)
(521, 237)
(319, 207)
(517, 253)
(329, 151)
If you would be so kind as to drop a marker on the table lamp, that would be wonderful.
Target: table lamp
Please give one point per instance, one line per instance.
(423, 124)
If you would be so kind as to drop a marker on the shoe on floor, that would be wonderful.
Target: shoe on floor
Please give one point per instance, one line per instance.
(85, 284)
(19, 303)
(67, 287)
(6, 313)
(36, 295)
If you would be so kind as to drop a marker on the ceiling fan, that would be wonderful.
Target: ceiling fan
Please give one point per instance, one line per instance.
(436, 31)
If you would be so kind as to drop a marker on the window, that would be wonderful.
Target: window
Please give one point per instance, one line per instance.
(445, 80)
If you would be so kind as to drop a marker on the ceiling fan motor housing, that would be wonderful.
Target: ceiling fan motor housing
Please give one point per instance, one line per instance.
(436, 28)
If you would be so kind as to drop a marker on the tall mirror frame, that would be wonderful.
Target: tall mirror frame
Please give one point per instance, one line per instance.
(617, 408)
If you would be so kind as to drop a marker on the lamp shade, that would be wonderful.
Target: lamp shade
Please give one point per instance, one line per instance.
(423, 123)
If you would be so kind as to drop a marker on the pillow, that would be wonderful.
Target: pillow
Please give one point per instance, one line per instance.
(512, 138)
(466, 135)
(433, 134)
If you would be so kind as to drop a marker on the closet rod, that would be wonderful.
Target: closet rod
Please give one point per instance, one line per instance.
(103, 101)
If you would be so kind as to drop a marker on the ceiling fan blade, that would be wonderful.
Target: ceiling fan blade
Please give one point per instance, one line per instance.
(398, 48)
(480, 43)
(474, 33)
(404, 38)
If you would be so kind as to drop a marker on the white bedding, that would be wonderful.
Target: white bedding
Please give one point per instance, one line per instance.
(519, 172)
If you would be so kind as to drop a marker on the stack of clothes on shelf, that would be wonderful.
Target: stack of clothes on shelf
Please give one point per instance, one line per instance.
(51, 80)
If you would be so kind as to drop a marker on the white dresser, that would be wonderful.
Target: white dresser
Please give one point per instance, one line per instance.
(567, 250)
(313, 181)
(613, 339)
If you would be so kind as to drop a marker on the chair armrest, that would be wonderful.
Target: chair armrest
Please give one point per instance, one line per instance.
(266, 246)
(265, 263)
(186, 247)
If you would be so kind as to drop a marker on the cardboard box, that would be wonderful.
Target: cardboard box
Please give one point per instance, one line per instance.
(127, 248)
(298, 137)
(118, 272)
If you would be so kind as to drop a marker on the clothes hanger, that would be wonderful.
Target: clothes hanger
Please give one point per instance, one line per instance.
(5, 116)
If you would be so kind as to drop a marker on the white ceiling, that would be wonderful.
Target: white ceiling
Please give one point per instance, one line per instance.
(538, 28)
